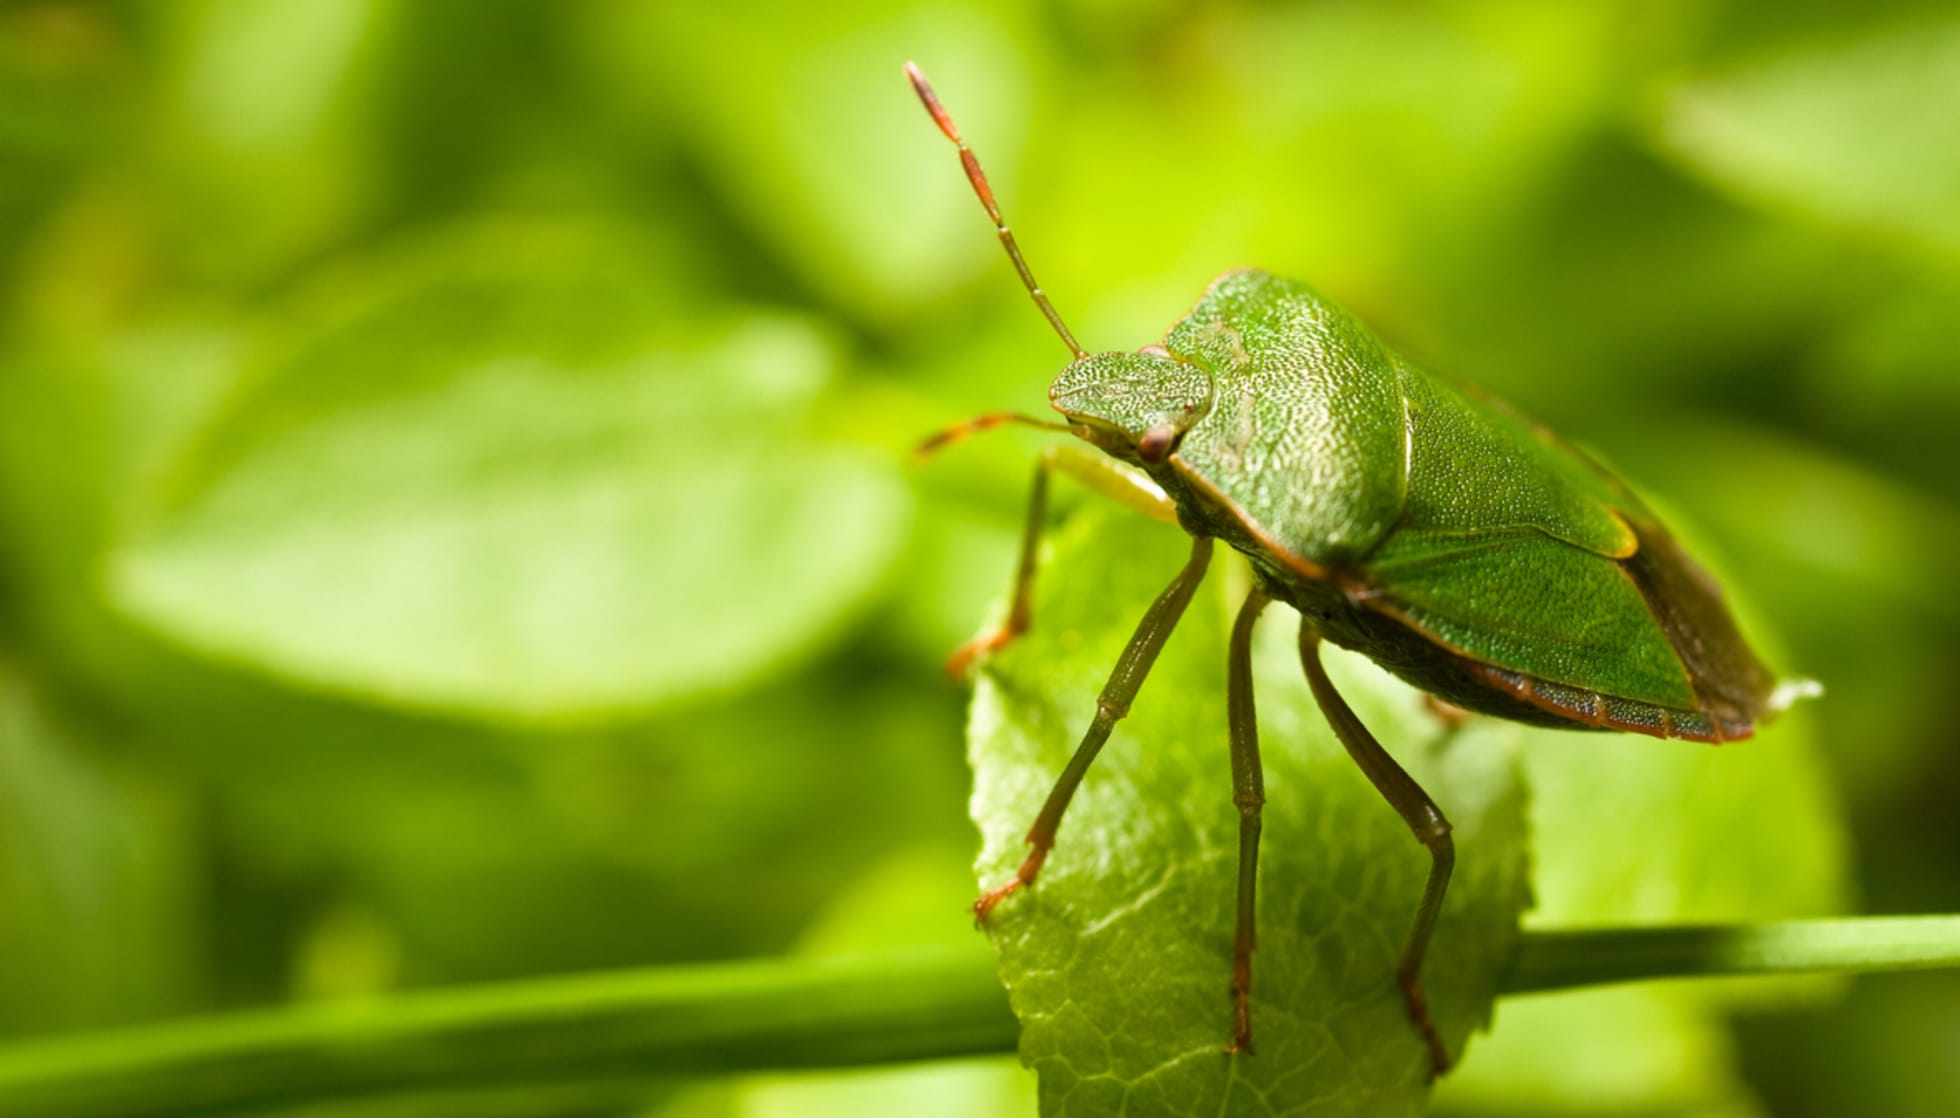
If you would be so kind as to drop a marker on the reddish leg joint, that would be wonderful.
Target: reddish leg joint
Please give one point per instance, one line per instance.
(1023, 876)
(986, 644)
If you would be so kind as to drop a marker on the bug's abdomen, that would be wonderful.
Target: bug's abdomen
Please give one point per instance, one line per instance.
(1598, 711)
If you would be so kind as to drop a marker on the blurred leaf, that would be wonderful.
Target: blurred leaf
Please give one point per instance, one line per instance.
(1848, 562)
(97, 880)
(1888, 1050)
(1119, 959)
(491, 476)
(261, 99)
(1839, 130)
(1621, 280)
(1624, 1052)
(56, 111)
(458, 851)
(455, 853)
(817, 140)
(1888, 381)
(1637, 831)
(963, 1089)
(536, 135)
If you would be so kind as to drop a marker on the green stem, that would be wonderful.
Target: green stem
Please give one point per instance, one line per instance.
(637, 1026)
(624, 1030)
(1559, 959)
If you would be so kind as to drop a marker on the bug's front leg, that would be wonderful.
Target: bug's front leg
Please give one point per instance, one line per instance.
(1249, 796)
(1418, 811)
(1114, 702)
(1106, 476)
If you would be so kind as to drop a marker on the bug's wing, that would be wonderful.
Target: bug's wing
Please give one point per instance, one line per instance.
(1477, 465)
(1518, 599)
(1518, 550)
(1651, 628)
(1685, 600)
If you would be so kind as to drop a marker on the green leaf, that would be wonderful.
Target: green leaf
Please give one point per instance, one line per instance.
(1118, 960)
(500, 474)
(1843, 131)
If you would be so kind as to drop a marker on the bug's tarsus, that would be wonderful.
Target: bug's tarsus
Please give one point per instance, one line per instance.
(1025, 875)
(1418, 811)
(985, 191)
(962, 659)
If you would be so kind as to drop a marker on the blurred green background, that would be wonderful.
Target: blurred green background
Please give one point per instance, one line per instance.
(454, 514)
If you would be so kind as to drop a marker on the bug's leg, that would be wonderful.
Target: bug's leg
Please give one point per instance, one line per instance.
(1418, 811)
(1249, 795)
(1111, 705)
(1104, 475)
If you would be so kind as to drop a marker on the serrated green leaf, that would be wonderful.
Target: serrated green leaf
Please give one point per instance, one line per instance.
(497, 476)
(1845, 131)
(1118, 960)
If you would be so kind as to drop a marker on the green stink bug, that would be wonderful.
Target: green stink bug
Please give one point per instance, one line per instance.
(1435, 530)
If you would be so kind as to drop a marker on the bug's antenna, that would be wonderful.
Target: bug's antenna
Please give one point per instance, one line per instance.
(979, 180)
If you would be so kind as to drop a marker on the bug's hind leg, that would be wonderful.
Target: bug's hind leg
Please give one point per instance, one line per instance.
(1114, 702)
(1418, 811)
(1249, 795)
(1105, 475)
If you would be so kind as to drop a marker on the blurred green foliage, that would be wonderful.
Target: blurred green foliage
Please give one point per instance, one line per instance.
(454, 521)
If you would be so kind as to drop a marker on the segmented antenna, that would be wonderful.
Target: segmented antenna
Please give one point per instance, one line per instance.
(979, 180)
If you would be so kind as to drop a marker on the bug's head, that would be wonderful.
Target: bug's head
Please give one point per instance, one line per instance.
(1132, 405)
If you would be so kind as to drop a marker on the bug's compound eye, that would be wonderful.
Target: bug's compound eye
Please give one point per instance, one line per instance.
(1156, 443)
